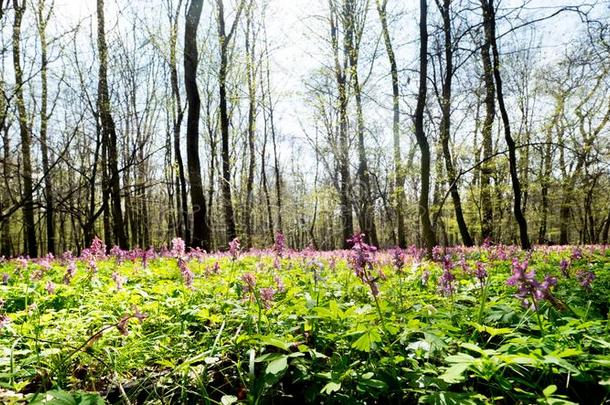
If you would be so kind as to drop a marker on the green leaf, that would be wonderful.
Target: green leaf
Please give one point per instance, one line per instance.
(550, 390)
(454, 374)
(367, 341)
(228, 399)
(277, 366)
(330, 387)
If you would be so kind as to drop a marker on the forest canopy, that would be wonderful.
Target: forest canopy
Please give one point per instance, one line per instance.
(428, 123)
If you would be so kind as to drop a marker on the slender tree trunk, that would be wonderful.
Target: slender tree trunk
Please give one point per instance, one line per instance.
(224, 38)
(42, 20)
(422, 140)
(399, 176)
(251, 79)
(347, 223)
(184, 230)
(26, 137)
(487, 217)
(490, 33)
(5, 225)
(547, 167)
(445, 129)
(201, 230)
(109, 132)
(352, 36)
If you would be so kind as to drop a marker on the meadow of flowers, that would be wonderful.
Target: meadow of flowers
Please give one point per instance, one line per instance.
(492, 324)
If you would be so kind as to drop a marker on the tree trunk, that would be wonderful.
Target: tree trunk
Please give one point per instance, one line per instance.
(184, 230)
(224, 39)
(201, 230)
(347, 223)
(251, 79)
(487, 217)
(42, 20)
(445, 129)
(490, 33)
(109, 135)
(352, 35)
(30, 245)
(399, 176)
(422, 140)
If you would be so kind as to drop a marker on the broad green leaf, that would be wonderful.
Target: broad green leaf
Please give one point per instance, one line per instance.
(277, 366)
(330, 387)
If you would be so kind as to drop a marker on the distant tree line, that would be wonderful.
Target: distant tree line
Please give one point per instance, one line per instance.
(449, 123)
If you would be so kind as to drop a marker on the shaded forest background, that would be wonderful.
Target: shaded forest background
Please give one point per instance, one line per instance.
(430, 122)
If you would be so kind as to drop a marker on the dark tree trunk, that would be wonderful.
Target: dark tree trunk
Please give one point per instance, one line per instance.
(487, 217)
(445, 129)
(347, 223)
(5, 225)
(224, 39)
(422, 140)
(353, 32)
(109, 135)
(490, 33)
(26, 137)
(251, 79)
(399, 177)
(201, 230)
(184, 230)
(44, 149)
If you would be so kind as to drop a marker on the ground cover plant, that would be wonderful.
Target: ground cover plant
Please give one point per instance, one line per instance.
(491, 324)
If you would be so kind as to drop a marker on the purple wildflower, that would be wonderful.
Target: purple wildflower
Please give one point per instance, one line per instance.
(234, 248)
(362, 261)
(178, 247)
(5, 278)
(529, 290)
(250, 282)
(576, 253)
(445, 282)
(280, 244)
(481, 272)
(97, 249)
(118, 253)
(187, 274)
(425, 276)
(70, 271)
(585, 278)
(280, 284)
(119, 280)
(398, 259)
(4, 321)
(437, 253)
(563, 266)
(266, 295)
(50, 287)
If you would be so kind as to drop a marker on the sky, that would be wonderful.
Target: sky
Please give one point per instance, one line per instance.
(295, 29)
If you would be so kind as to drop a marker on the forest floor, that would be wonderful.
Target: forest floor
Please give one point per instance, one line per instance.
(480, 325)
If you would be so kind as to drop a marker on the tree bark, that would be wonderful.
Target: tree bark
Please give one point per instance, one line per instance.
(490, 33)
(429, 238)
(42, 21)
(183, 225)
(26, 137)
(399, 176)
(251, 79)
(487, 217)
(445, 126)
(353, 26)
(347, 222)
(109, 135)
(224, 39)
(201, 230)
